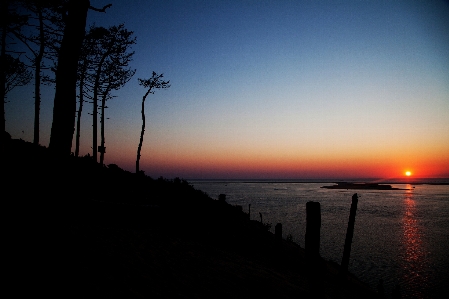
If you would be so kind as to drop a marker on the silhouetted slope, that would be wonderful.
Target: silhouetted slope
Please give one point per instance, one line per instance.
(130, 236)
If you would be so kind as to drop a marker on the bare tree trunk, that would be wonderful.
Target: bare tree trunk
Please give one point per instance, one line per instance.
(95, 108)
(103, 150)
(95, 120)
(78, 120)
(78, 127)
(64, 107)
(37, 78)
(80, 108)
(142, 131)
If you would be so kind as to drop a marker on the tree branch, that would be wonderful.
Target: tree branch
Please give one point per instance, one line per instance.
(100, 9)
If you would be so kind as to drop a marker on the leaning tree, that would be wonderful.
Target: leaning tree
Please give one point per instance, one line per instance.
(155, 82)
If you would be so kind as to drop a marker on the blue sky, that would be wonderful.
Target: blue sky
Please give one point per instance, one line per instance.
(276, 89)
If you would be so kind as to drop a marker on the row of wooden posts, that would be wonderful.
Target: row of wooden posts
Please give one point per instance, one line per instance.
(313, 227)
(312, 238)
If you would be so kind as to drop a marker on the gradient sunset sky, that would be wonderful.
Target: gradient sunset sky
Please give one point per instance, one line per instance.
(275, 89)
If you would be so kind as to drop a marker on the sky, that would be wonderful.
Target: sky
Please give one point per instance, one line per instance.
(274, 90)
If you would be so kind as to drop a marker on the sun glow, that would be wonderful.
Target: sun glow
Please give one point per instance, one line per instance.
(408, 173)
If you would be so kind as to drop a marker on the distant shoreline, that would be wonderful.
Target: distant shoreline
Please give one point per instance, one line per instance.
(424, 181)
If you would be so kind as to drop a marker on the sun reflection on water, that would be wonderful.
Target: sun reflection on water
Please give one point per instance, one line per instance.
(411, 238)
(414, 255)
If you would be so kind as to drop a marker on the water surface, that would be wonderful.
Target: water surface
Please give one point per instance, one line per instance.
(400, 236)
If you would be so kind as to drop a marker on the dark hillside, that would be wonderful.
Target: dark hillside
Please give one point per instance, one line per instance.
(75, 229)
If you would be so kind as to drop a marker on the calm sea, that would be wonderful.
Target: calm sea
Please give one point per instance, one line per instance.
(400, 236)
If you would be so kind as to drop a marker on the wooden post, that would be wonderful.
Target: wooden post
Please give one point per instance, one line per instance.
(349, 234)
(249, 211)
(278, 231)
(313, 226)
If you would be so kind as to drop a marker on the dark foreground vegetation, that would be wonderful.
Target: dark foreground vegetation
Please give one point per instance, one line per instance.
(76, 229)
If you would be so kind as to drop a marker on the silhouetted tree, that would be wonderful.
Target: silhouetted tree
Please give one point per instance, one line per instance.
(86, 66)
(82, 69)
(46, 19)
(16, 73)
(113, 73)
(155, 82)
(66, 76)
(116, 76)
(105, 49)
(106, 69)
(37, 75)
(11, 22)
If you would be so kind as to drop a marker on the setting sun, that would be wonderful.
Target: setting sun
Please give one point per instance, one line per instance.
(408, 173)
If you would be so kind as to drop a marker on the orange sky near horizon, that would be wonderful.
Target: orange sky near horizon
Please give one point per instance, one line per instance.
(230, 162)
(272, 89)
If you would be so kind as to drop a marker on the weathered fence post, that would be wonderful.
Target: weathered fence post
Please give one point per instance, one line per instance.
(349, 234)
(278, 231)
(313, 226)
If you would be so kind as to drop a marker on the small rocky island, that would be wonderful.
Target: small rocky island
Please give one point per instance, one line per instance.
(364, 186)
